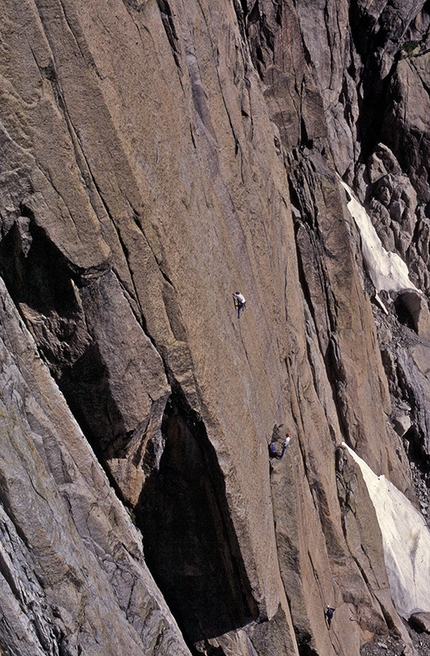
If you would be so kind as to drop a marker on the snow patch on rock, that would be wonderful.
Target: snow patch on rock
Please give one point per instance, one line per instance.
(387, 270)
(406, 542)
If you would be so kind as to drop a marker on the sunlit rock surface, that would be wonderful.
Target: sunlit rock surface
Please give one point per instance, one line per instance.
(155, 158)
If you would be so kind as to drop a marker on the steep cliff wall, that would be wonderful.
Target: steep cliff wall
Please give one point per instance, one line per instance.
(155, 158)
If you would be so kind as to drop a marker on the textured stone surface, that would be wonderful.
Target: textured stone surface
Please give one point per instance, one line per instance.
(156, 157)
(420, 621)
(73, 577)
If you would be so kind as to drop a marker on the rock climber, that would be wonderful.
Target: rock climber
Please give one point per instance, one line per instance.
(286, 443)
(272, 448)
(329, 615)
(239, 302)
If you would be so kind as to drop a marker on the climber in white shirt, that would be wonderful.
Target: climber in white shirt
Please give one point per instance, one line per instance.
(240, 302)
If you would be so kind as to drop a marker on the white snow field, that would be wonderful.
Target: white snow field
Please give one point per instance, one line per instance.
(386, 270)
(406, 542)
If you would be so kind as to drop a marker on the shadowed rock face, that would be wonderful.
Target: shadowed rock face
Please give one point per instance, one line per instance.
(189, 540)
(155, 158)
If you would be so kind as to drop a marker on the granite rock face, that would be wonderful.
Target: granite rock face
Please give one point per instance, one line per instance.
(155, 158)
(73, 576)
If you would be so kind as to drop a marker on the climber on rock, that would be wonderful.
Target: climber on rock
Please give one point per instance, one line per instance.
(286, 443)
(239, 302)
(329, 615)
(272, 448)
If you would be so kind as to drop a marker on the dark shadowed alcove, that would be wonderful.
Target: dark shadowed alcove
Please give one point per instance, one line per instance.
(189, 541)
(403, 312)
(36, 273)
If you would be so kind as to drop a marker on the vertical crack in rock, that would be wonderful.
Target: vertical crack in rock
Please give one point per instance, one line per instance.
(189, 540)
(169, 26)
